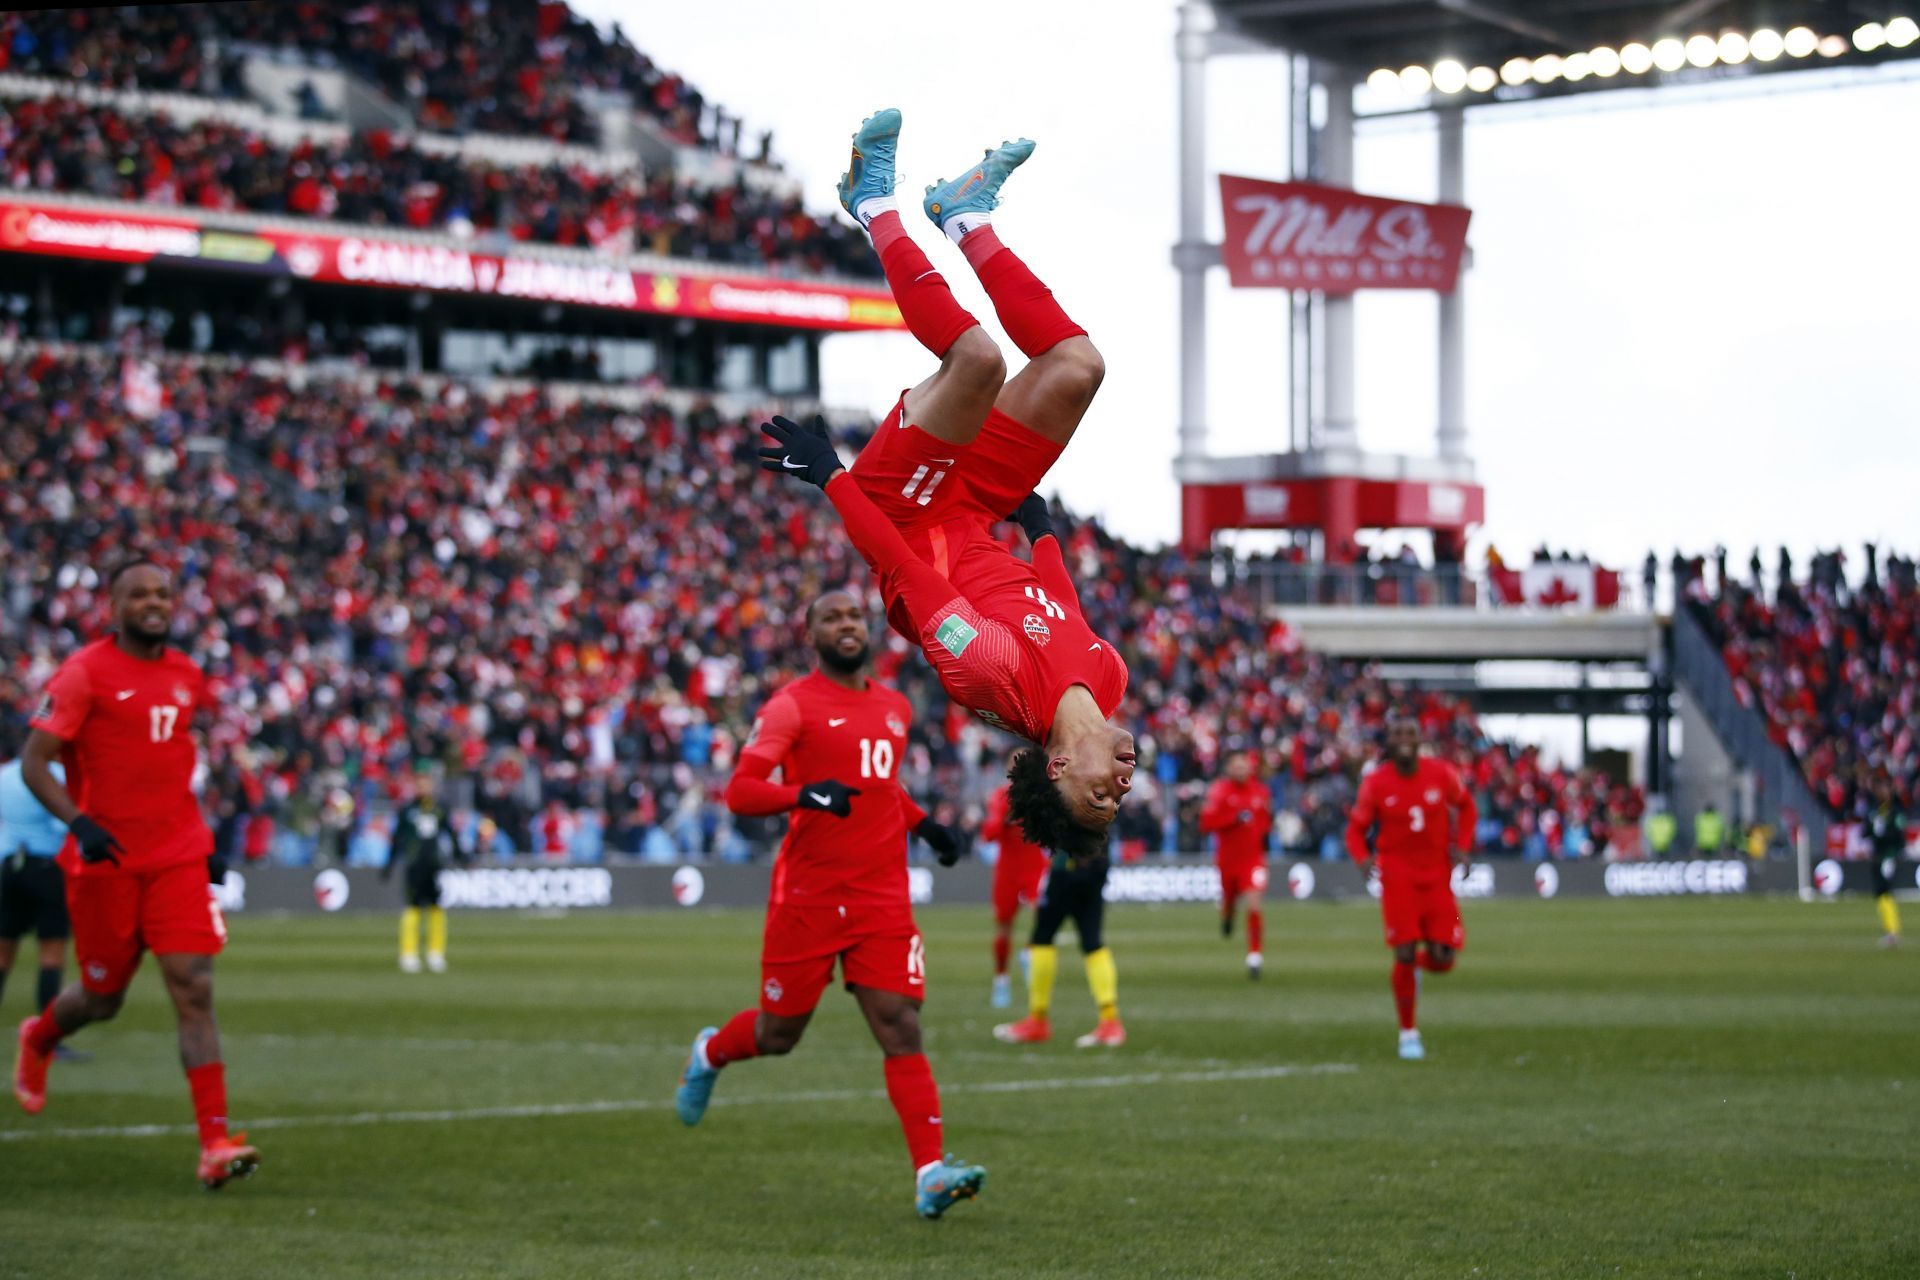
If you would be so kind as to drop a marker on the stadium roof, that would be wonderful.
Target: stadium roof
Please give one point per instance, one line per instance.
(1477, 51)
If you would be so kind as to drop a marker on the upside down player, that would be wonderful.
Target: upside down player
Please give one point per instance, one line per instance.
(839, 888)
(1018, 876)
(119, 714)
(958, 452)
(1421, 814)
(1238, 814)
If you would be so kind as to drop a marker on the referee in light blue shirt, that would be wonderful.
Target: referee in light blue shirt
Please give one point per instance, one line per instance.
(33, 892)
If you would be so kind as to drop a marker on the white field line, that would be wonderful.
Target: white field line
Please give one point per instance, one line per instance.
(622, 1105)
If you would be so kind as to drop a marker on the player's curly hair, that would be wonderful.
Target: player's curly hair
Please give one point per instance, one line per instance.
(1034, 802)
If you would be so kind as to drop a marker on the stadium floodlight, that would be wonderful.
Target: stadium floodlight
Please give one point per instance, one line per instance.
(1869, 36)
(1703, 51)
(1832, 46)
(1384, 81)
(1800, 41)
(1636, 58)
(1733, 48)
(1449, 76)
(1546, 68)
(1482, 79)
(1415, 80)
(1669, 54)
(1603, 62)
(1902, 32)
(1516, 71)
(1766, 45)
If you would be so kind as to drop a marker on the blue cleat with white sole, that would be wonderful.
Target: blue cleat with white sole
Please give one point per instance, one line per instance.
(696, 1082)
(1411, 1050)
(977, 191)
(946, 1184)
(869, 172)
(1002, 992)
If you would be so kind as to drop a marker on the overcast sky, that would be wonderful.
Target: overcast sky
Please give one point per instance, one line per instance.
(1692, 317)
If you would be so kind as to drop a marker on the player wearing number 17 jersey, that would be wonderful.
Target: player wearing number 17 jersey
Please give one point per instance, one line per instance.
(1422, 817)
(119, 715)
(839, 888)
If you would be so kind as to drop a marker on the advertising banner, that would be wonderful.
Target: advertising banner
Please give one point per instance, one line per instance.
(328, 256)
(1301, 235)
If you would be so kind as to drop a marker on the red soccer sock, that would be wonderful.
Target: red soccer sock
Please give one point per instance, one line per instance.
(1002, 951)
(208, 1084)
(1404, 991)
(735, 1042)
(926, 303)
(916, 1099)
(1026, 307)
(44, 1033)
(1255, 932)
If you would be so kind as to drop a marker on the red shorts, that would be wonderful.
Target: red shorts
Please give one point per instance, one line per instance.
(1414, 912)
(876, 946)
(1245, 876)
(919, 480)
(1016, 880)
(116, 918)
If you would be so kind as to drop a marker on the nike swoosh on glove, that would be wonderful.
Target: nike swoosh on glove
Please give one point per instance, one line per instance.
(806, 452)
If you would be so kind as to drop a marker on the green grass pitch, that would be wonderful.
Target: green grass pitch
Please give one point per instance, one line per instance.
(1649, 1088)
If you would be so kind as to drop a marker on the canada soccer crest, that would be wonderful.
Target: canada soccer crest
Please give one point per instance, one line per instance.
(896, 726)
(183, 695)
(774, 990)
(1036, 629)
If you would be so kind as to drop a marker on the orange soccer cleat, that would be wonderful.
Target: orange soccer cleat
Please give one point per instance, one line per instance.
(1026, 1031)
(30, 1073)
(1109, 1034)
(225, 1159)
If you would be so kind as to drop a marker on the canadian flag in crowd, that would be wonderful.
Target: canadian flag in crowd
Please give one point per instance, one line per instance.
(140, 391)
(1555, 585)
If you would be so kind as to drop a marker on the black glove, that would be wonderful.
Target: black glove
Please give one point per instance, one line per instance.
(831, 797)
(96, 842)
(217, 869)
(942, 839)
(1034, 517)
(806, 451)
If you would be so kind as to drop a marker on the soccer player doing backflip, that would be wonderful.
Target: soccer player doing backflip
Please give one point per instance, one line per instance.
(1422, 817)
(959, 452)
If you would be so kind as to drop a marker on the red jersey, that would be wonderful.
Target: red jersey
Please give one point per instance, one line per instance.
(127, 724)
(1422, 819)
(814, 730)
(1017, 853)
(1239, 815)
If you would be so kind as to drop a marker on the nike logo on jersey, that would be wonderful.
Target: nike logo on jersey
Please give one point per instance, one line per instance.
(835, 723)
(124, 694)
(817, 798)
(1094, 645)
(941, 462)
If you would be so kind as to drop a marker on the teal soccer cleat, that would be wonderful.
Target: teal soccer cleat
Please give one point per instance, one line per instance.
(869, 172)
(696, 1082)
(1411, 1050)
(977, 191)
(946, 1184)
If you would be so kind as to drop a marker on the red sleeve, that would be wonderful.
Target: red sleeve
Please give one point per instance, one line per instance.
(1215, 814)
(775, 730)
(1359, 820)
(1468, 813)
(1051, 565)
(910, 811)
(68, 699)
(903, 575)
(995, 823)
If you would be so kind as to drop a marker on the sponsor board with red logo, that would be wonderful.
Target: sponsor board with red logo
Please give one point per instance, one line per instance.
(1302, 235)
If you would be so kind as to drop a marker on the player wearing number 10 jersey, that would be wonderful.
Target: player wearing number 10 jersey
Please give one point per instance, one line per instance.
(119, 714)
(1423, 818)
(839, 888)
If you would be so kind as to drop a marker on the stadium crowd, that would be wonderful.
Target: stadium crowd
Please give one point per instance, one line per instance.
(565, 614)
(459, 66)
(61, 145)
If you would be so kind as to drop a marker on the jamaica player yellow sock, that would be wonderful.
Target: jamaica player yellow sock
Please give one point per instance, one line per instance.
(436, 931)
(410, 934)
(1889, 914)
(1042, 963)
(1103, 979)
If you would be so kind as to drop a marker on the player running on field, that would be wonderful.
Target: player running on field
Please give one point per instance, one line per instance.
(839, 887)
(119, 715)
(1018, 876)
(1238, 814)
(957, 454)
(1075, 890)
(1422, 819)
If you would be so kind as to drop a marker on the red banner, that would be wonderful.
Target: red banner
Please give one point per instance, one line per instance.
(1300, 235)
(329, 257)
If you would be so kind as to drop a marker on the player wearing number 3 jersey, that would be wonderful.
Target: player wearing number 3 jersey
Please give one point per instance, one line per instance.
(839, 893)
